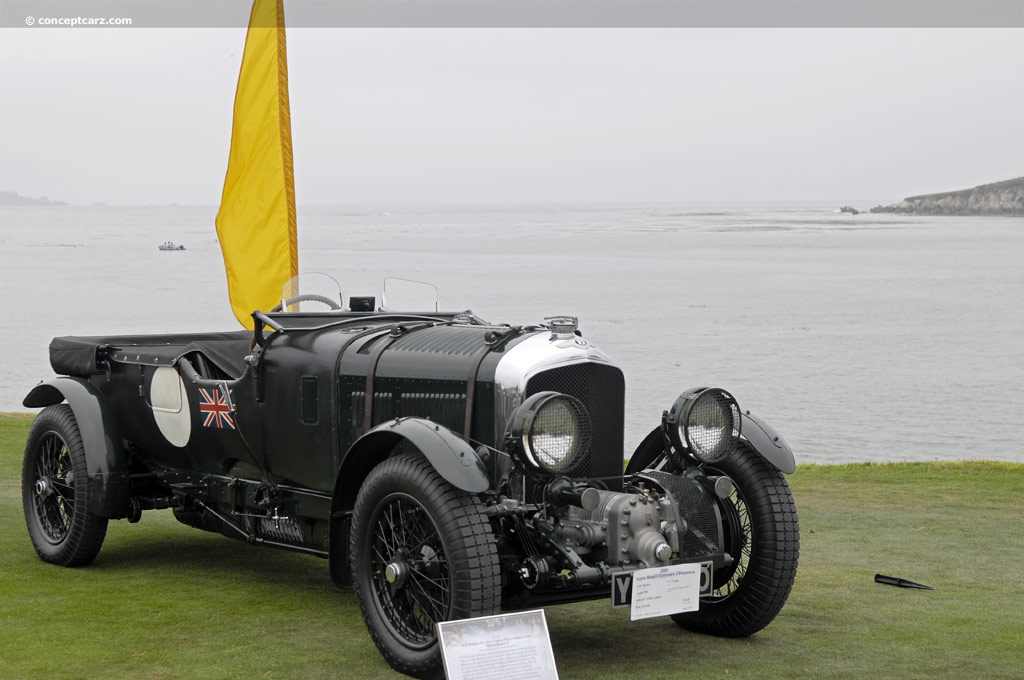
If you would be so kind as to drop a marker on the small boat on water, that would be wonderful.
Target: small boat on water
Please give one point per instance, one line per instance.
(170, 245)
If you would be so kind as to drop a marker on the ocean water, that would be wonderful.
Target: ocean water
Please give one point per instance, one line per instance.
(860, 337)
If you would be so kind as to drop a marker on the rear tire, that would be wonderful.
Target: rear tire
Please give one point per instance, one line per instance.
(55, 491)
(422, 552)
(762, 535)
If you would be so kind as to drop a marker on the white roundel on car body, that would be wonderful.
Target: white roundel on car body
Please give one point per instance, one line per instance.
(170, 406)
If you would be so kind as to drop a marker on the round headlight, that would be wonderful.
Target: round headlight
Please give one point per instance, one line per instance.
(552, 431)
(703, 423)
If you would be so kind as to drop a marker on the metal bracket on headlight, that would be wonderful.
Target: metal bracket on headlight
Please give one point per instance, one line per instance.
(550, 433)
(703, 423)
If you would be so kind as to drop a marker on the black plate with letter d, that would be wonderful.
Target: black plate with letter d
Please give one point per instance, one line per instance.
(622, 585)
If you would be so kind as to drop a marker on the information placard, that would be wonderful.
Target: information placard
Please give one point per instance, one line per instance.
(622, 585)
(662, 591)
(490, 647)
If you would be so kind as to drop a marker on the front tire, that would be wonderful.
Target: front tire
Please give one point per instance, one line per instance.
(55, 491)
(422, 552)
(762, 535)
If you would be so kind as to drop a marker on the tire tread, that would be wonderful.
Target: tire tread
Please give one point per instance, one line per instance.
(775, 553)
(476, 577)
(87, 531)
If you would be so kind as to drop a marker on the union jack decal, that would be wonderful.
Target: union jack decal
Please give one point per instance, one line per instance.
(218, 413)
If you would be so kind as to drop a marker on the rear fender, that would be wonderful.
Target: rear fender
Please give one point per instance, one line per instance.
(109, 484)
(449, 454)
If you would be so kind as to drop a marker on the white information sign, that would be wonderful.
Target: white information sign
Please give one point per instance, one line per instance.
(661, 591)
(510, 645)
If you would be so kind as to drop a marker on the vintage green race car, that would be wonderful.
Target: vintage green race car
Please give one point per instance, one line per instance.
(446, 467)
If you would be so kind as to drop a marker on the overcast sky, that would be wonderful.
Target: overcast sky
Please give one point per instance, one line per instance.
(500, 115)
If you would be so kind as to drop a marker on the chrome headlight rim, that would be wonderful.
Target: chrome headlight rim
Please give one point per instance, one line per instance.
(528, 429)
(686, 423)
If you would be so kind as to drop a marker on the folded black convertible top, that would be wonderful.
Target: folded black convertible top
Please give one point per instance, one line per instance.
(82, 356)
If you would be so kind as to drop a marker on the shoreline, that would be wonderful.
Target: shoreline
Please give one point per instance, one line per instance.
(14, 420)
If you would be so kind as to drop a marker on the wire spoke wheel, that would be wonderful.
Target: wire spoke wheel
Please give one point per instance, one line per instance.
(54, 486)
(737, 540)
(407, 549)
(55, 491)
(421, 552)
(761, 536)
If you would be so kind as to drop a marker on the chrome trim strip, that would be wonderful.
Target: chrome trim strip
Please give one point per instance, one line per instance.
(541, 352)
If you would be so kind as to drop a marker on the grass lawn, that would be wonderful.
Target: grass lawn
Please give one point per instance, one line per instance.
(164, 600)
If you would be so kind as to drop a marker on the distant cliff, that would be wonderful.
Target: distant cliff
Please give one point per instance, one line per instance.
(1001, 198)
(14, 198)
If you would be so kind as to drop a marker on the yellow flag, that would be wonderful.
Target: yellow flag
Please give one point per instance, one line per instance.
(256, 220)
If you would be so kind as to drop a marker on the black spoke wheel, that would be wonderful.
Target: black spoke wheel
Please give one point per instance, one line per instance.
(422, 552)
(762, 536)
(55, 491)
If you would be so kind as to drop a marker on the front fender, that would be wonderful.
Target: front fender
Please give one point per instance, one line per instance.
(768, 442)
(109, 484)
(449, 454)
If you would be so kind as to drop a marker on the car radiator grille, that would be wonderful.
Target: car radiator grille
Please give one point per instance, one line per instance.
(602, 390)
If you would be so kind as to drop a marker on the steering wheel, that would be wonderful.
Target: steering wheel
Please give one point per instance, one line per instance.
(310, 297)
(306, 297)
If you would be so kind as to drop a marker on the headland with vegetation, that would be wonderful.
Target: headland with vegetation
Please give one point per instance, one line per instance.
(998, 198)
